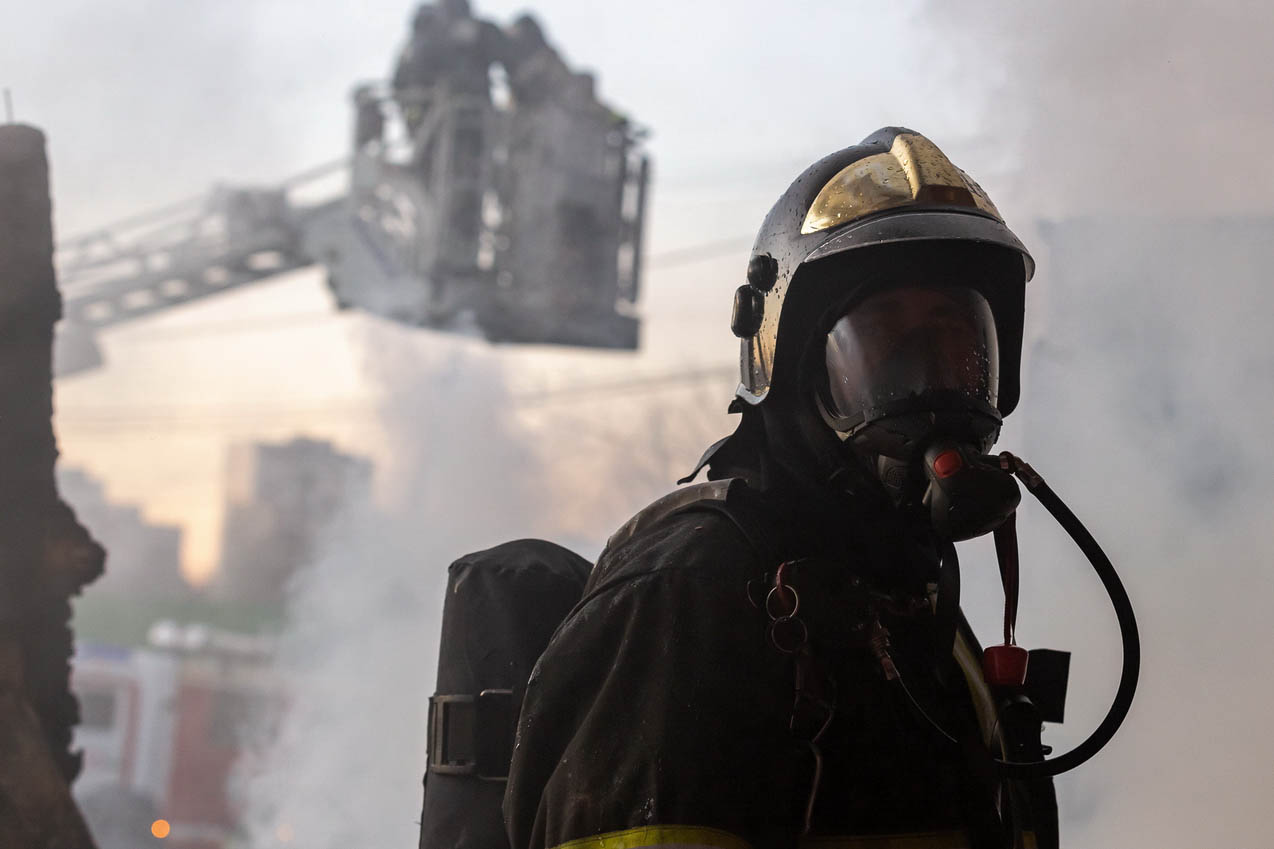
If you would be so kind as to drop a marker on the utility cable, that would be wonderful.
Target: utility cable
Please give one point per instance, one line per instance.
(220, 415)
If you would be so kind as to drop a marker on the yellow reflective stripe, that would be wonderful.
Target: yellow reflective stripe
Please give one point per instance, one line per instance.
(915, 840)
(667, 836)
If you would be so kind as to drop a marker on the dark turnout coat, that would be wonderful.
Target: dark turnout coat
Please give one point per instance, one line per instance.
(664, 713)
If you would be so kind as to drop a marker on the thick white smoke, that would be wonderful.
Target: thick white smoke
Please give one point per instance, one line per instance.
(463, 467)
(1142, 132)
(359, 651)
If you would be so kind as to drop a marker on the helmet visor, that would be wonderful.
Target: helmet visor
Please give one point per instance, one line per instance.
(905, 345)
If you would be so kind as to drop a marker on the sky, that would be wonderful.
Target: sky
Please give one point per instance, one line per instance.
(152, 104)
(1059, 109)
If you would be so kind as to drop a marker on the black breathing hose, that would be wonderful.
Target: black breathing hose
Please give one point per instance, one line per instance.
(1127, 631)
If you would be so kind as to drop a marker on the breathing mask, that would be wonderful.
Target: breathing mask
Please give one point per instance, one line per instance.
(912, 384)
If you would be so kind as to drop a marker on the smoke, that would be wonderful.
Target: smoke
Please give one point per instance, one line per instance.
(1139, 135)
(359, 652)
(1129, 107)
(461, 469)
(145, 103)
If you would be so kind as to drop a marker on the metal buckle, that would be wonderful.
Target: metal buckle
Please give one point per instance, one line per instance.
(472, 735)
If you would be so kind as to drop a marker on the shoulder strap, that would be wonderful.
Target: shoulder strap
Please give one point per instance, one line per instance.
(673, 502)
(747, 511)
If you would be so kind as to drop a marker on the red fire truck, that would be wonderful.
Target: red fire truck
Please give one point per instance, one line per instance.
(162, 728)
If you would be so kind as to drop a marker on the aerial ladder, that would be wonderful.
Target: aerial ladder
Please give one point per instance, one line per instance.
(513, 222)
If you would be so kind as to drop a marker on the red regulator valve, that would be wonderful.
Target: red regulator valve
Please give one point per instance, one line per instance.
(1005, 666)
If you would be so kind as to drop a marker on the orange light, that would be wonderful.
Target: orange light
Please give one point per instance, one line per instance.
(160, 828)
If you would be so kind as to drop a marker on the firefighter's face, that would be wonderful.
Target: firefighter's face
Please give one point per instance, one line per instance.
(905, 341)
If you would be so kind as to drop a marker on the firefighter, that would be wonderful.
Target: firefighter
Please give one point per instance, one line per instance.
(369, 119)
(450, 54)
(472, 46)
(733, 675)
(420, 66)
(536, 71)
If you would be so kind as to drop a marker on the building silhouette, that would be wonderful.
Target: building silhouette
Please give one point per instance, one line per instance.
(280, 500)
(143, 558)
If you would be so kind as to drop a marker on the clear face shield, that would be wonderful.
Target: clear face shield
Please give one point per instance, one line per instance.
(912, 350)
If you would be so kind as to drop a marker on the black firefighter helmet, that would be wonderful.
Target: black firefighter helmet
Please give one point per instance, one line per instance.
(891, 211)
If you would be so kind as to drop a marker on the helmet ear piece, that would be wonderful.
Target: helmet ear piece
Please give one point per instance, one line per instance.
(763, 272)
(749, 299)
(749, 310)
